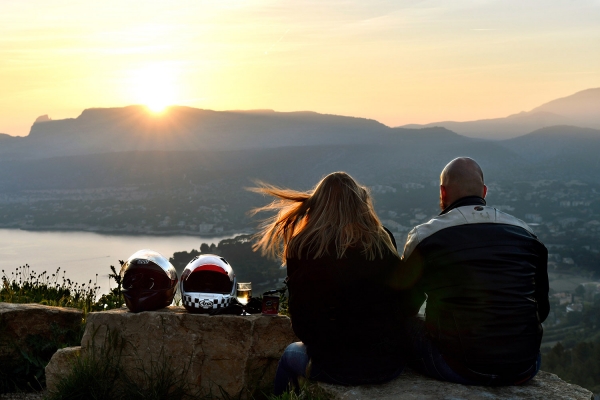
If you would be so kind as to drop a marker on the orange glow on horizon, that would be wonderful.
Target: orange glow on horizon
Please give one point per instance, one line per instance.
(395, 62)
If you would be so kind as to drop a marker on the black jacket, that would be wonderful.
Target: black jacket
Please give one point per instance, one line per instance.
(347, 314)
(485, 276)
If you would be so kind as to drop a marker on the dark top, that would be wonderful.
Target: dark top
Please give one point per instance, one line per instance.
(485, 275)
(347, 314)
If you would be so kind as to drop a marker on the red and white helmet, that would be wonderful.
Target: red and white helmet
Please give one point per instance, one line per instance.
(207, 283)
(149, 281)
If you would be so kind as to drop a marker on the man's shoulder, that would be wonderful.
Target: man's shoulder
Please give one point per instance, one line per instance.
(465, 215)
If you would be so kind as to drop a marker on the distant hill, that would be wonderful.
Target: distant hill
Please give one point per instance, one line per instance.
(125, 169)
(134, 128)
(129, 145)
(560, 152)
(6, 137)
(548, 143)
(380, 154)
(583, 107)
(580, 109)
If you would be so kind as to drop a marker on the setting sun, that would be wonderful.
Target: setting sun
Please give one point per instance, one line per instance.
(155, 86)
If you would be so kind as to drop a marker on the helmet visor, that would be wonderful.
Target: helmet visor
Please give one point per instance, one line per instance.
(207, 282)
(146, 277)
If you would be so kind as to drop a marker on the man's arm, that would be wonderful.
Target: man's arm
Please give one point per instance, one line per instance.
(406, 276)
(409, 280)
(542, 286)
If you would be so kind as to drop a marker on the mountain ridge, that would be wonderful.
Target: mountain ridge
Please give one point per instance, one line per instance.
(179, 127)
(583, 102)
(579, 109)
(135, 128)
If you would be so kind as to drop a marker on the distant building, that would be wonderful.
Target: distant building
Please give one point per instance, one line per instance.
(394, 226)
(411, 185)
(591, 290)
(205, 228)
(165, 222)
(382, 189)
(536, 218)
(575, 307)
(563, 298)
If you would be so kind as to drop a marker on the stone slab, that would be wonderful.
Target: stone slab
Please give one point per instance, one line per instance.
(413, 386)
(237, 354)
(20, 321)
(60, 365)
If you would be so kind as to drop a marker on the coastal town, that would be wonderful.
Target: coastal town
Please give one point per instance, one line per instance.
(564, 215)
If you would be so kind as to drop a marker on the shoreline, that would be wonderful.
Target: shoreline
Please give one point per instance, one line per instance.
(128, 232)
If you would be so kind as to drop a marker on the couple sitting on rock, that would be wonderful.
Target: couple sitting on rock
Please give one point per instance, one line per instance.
(354, 300)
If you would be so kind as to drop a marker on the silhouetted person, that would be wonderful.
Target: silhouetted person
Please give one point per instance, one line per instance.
(343, 309)
(485, 276)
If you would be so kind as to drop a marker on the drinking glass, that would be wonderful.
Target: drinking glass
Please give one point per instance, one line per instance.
(244, 293)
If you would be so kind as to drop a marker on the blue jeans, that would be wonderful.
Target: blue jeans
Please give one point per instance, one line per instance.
(294, 362)
(427, 360)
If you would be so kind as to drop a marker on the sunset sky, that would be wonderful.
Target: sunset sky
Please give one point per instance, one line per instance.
(399, 61)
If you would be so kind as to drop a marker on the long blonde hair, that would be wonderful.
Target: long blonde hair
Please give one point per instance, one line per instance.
(338, 212)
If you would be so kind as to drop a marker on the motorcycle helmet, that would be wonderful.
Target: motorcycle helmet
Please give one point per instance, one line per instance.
(207, 283)
(149, 281)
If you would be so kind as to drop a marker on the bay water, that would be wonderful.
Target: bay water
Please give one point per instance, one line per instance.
(84, 254)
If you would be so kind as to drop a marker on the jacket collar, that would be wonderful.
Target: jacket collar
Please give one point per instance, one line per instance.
(465, 201)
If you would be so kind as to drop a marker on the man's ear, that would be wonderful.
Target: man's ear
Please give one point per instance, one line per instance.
(443, 193)
(484, 191)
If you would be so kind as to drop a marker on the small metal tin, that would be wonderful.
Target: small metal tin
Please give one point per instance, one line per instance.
(270, 304)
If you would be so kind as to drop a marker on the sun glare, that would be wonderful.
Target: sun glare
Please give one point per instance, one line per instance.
(157, 106)
(155, 86)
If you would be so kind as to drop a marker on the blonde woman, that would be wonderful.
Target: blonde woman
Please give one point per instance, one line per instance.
(340, 263)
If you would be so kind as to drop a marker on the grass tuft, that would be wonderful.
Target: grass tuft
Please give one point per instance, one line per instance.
(94, 375)
(99, 375)
(308, 391)
(27, 286)
(24, 285)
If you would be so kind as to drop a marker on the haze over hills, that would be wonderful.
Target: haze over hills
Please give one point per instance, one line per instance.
(128, 171)
(135, 128)
(583, 106)
(111, 146)
(405, 153)
(121, 147)
(559, 152)
(581, 109)
(398, 156)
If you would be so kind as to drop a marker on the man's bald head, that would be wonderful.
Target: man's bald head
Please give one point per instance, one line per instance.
(460, 178)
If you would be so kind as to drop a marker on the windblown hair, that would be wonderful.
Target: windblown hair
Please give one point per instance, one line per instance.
(336, 215)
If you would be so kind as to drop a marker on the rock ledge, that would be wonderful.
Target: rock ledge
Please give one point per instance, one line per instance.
(413, 386)
(237, 354)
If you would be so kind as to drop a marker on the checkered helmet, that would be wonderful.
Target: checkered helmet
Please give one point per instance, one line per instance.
(149, 281)
(207, 283)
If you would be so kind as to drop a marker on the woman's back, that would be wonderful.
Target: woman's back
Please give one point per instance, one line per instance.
(347, 314)
(340, 262)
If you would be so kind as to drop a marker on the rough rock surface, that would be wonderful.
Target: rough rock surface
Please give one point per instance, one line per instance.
(20, 322)
(412, 386)
(60, 365)
(238, 354)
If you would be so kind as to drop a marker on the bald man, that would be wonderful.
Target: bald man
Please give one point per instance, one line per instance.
(485, 276)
